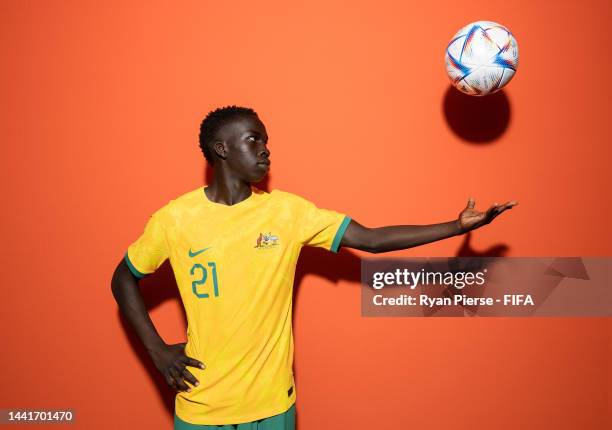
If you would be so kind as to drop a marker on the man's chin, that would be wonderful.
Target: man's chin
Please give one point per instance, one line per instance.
(262, 170)
(259, 177)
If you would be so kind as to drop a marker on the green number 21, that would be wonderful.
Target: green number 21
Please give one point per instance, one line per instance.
(202, 280)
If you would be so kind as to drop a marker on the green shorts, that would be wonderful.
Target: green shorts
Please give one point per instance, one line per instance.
(284, 421)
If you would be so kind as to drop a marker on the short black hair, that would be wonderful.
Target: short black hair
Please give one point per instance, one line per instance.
(213, 122)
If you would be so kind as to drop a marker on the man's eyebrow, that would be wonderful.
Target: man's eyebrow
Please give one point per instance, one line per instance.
(253, 132)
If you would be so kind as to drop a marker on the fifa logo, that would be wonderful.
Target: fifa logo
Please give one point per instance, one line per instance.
(267, 241)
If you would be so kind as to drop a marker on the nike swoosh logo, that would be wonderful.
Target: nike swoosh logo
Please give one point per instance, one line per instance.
(193, 254)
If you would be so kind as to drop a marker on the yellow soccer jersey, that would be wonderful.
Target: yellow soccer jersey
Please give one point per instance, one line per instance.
(234, 266)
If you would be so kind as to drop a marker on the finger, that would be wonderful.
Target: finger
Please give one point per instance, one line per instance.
(190, 378)
(173, 382)
(192, 362)
(179, 366)
(471, 203)
(178, 380)
(499, 210)
(173, 376)
(505, 206)
(169, 381)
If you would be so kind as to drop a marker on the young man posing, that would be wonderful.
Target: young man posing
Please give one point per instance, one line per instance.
(233, 249)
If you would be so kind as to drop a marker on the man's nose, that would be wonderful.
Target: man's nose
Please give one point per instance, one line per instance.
(264, 151)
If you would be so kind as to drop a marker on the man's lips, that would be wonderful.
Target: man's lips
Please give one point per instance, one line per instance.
(267, 162)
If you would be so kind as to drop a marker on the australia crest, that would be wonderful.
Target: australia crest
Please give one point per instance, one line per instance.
(267, 241)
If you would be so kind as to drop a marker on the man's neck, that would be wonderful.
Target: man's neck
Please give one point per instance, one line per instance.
(228, 192)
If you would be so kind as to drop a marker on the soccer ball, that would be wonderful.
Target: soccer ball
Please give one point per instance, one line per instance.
(481, 58)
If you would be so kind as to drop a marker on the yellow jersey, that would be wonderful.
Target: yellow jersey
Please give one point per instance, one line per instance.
(234, 267)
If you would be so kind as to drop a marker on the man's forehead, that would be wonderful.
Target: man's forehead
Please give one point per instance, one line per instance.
(241, 124)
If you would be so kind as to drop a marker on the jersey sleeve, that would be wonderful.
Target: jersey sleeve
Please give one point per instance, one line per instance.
(321, 228)
(149, 251)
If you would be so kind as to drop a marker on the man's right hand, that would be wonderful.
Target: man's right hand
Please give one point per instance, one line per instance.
(171, 361)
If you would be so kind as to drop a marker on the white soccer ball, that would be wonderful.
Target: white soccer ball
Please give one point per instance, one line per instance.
(481, 58)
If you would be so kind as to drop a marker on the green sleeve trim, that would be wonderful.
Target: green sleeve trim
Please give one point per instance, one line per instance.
(134, 270)
(338, 237)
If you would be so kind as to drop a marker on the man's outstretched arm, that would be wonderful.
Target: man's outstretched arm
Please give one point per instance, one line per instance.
(392, 238)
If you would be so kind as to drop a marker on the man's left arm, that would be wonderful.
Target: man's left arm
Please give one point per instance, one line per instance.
(392, 238)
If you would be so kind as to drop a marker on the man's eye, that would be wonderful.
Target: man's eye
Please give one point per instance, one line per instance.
(251, 138)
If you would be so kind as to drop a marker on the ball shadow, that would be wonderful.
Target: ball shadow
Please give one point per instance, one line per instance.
(477, 119)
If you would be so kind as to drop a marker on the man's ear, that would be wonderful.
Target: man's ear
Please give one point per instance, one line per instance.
(220, 148)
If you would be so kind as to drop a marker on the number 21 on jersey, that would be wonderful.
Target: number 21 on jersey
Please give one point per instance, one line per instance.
(201, 273)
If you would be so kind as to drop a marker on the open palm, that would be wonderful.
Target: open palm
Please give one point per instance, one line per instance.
(471, 219)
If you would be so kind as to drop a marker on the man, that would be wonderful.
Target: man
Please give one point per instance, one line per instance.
(233, 249)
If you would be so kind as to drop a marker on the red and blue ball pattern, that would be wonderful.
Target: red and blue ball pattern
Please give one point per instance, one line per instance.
(481, 58)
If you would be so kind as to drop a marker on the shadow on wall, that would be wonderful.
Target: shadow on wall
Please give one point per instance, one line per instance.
(477, 119)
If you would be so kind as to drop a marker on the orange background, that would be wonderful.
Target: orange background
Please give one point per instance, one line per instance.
(100, 115)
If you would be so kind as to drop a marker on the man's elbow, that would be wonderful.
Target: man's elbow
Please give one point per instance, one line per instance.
(116, 283)
(374, 249)
(370, 243)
